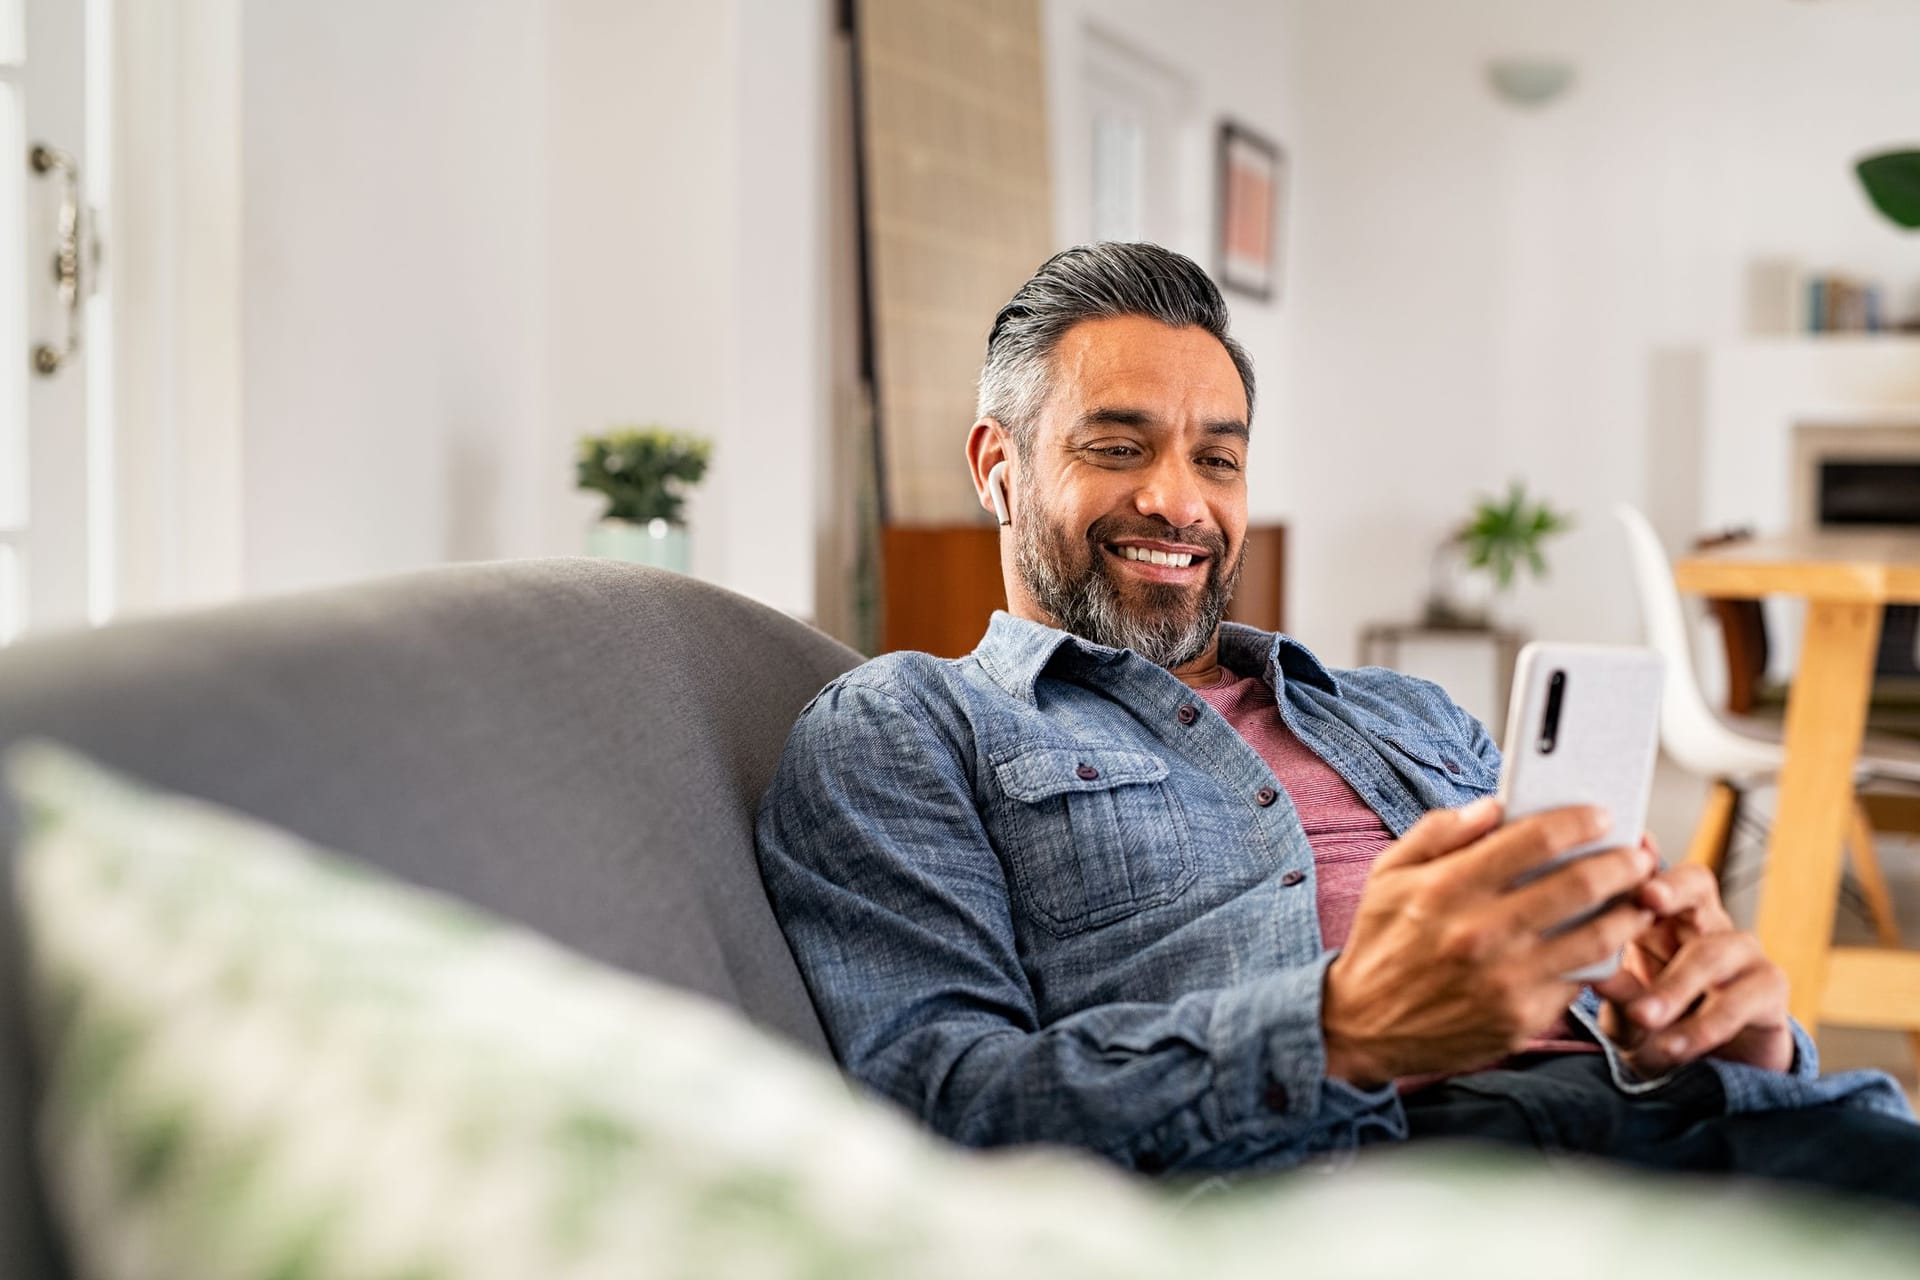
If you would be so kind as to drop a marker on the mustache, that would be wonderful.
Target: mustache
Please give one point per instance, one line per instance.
(1115, 528)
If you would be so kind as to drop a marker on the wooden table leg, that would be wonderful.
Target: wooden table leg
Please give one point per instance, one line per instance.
(1826, 717)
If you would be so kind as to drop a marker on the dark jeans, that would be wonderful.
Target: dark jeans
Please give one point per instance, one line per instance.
(1567, 1103)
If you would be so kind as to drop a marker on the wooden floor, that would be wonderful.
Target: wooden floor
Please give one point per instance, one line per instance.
(1677, 799)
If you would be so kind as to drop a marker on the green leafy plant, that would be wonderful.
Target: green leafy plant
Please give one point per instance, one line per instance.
(1892, 180)
(1505, 533)
(643, 471)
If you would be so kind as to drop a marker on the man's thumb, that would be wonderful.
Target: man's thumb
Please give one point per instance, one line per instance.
(1442, 831)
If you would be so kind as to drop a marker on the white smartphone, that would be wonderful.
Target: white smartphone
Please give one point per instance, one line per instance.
(1583, 727)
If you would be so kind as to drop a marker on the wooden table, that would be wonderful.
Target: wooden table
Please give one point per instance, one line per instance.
(1847, 580)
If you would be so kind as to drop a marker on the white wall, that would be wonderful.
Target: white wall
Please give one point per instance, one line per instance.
(476, 229)
(1484, 293)
(391, 285)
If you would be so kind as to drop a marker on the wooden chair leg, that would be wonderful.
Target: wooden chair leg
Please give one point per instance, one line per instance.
(1873, 887)
(1715, 831)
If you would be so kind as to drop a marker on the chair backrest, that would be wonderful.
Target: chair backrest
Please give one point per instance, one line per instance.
(576, 744)
(1689, 730)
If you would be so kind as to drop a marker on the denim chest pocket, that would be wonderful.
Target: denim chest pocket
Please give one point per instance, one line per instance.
(1444, 762)
(1094, 835)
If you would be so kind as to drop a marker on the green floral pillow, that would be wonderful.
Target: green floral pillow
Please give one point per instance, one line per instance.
(262, 1062)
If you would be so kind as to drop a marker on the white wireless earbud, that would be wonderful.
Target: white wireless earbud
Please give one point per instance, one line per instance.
(997, 491)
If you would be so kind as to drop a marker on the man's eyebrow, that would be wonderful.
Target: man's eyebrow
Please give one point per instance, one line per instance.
(1122, 416)
(1115, 416)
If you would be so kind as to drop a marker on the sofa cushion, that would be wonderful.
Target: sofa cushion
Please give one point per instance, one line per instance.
(576, 744)
(262, 1061)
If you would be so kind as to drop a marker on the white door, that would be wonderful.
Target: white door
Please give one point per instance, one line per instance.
(46, 345)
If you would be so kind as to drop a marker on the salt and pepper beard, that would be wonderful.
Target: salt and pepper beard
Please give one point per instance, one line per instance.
(1169, 626)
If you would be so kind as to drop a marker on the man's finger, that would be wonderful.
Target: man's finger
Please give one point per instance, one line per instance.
(1589, 944)
(1689, 887)
(1697, 968)
(1441, 832)
(1755, 996)
(1525, 846)
(1574, 889)
(1621, 988)
(1617, 991)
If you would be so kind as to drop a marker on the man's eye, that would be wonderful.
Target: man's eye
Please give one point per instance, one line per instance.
(1221, 463)
(1118, 451)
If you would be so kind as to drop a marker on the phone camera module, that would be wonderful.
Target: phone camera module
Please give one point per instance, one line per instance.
(1550, 723)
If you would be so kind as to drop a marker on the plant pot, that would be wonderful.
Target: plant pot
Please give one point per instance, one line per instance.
(652, 542)
(1458, 595)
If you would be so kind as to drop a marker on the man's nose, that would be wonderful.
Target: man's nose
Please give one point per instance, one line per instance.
(1172, 494)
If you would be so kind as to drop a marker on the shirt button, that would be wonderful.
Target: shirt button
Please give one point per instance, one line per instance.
(1266, 796)
(1087, 773)
(1453, 766)
(1293, 878)
(1186, 714)
(1275, 1096)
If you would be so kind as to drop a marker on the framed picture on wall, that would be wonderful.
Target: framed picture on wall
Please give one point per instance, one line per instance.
(1253, 176)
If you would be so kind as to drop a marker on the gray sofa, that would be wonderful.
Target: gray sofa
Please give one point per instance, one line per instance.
(576, 744)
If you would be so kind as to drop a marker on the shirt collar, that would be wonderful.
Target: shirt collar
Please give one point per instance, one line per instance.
(1016, 650)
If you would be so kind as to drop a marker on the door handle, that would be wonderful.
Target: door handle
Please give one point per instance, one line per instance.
(67, 258)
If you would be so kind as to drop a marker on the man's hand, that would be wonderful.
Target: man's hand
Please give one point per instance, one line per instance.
(1691, 986)
(1446, 967)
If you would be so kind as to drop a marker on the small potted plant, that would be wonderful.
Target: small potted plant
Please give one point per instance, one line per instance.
(644, 473)
(1474, 571)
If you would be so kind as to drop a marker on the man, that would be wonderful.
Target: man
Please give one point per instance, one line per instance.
(1130, 879)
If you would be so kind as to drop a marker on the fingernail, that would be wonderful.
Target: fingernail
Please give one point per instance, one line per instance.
(1673, 1046)
(1648, 860)
(1480, 808)
(1598, 822)
(1649, 1011)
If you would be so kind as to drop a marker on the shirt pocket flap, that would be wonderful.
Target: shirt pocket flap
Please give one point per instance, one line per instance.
(1446, 757)
(1052, 771)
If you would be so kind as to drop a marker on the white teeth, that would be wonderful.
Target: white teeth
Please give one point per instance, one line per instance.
(1173, 560)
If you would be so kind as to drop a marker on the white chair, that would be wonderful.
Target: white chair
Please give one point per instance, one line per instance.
(1734, 761)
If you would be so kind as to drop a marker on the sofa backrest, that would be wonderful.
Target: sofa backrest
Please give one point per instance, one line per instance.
(576, 744)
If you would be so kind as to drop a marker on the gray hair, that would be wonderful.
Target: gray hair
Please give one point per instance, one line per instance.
(1092, 282)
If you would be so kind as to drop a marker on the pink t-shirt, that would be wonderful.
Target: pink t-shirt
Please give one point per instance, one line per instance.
(1345, 833)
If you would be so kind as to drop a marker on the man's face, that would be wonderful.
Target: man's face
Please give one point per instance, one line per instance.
(1137, 462)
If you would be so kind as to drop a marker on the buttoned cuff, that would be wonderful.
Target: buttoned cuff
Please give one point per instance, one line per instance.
(1271, 1059)
(1806, 1058)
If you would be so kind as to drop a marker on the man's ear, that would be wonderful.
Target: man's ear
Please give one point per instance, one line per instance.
(989, 458)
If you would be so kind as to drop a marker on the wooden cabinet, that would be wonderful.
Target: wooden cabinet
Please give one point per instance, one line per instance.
(940, 584)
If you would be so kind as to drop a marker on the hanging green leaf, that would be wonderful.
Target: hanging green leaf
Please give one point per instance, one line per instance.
(1892, 180)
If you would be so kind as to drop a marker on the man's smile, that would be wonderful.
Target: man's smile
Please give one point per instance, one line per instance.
(1159, 561)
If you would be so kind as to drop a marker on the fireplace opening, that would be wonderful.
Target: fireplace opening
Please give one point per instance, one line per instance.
(1870, 491)
(1853, 492)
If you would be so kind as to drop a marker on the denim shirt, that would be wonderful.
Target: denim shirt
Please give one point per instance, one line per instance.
(1043, 893)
